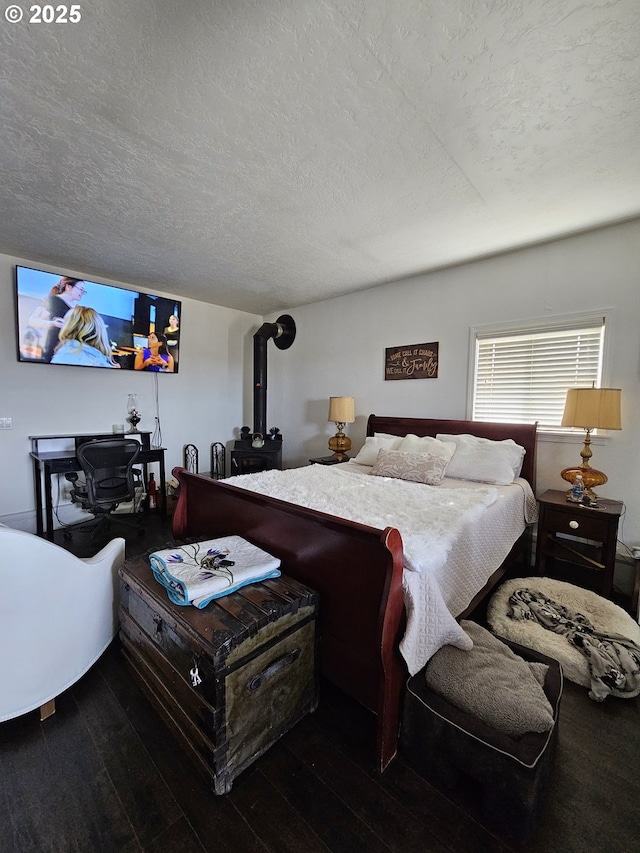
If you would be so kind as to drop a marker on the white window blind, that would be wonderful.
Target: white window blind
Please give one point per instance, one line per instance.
(523, 376)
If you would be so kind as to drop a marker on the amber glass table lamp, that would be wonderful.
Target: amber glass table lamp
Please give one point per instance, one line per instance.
(590, 408)
(341, 412)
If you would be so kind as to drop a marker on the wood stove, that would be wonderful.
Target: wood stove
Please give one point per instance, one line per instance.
(246, 459)
(256, 450)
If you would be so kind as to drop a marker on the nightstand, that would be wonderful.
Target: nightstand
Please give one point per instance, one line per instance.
(327, 460)
(593, 532)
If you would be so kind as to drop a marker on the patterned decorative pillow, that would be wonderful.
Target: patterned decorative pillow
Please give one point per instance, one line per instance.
(427, 467)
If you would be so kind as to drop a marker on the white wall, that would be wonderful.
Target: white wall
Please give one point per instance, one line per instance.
(340, 344)
(339, 349)
(208, 400)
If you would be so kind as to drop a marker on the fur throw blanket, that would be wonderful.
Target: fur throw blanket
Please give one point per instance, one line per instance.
(613, 660)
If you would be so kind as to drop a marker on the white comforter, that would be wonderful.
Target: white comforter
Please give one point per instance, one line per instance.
(447, 556)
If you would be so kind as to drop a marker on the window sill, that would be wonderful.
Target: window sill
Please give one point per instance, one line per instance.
(572, 437)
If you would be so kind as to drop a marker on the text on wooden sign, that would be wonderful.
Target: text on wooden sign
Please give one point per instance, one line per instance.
(413, 361)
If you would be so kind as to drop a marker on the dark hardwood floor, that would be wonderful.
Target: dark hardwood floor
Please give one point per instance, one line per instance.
(103, 774)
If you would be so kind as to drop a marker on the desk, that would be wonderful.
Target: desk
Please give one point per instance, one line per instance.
(46, 463)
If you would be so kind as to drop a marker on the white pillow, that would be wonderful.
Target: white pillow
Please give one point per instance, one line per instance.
(426, 444)
(424, 467)
(372, 444)
(484, 460)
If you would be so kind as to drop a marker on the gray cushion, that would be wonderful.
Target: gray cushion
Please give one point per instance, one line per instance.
(492, 683)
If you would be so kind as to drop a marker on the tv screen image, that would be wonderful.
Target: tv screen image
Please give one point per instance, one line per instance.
(71, 321)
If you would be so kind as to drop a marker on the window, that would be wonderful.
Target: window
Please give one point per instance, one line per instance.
(521, 373)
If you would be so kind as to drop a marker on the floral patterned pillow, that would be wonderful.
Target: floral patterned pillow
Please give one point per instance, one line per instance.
(427, 467)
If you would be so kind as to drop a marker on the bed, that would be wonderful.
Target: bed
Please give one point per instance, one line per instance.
(359, 568)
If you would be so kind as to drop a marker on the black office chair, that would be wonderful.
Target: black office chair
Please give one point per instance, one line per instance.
(110, 479)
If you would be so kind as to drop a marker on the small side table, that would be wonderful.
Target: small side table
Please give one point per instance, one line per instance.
(593, 532)
(327, 460)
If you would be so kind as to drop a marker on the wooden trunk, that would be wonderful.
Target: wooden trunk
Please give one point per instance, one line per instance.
(228, 680)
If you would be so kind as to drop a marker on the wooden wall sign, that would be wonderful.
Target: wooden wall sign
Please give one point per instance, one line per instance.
(415, 361)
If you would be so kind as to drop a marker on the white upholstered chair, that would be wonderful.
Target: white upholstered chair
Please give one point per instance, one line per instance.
(58, 613)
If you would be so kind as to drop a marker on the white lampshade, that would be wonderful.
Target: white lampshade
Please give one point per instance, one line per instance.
(341, 410)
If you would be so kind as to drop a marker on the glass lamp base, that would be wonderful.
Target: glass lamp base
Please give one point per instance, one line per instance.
(340, 444)
(134, 420)
(590, 476)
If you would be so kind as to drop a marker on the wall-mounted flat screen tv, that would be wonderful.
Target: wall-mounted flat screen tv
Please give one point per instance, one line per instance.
(72, 321)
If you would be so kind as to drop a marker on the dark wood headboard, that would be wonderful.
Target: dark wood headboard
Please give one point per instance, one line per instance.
(523, 434)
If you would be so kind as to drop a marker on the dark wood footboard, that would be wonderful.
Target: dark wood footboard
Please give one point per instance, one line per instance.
(356, 569)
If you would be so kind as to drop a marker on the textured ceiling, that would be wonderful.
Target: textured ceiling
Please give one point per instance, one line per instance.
(262, 154)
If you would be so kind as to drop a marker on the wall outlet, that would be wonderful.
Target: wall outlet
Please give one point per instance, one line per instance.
(6, 423)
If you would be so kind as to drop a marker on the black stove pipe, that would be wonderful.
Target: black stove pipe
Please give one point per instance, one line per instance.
(283, 332)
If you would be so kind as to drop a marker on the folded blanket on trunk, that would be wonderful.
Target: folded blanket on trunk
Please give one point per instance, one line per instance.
(199, 572)
(613, 660)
